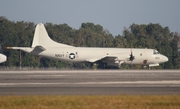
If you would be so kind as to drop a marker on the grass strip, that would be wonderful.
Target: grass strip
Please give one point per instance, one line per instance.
(91, 102)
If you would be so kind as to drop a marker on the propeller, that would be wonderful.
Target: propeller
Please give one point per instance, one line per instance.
(131, 58)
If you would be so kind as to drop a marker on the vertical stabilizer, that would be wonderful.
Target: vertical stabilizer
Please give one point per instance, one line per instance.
(41, 38)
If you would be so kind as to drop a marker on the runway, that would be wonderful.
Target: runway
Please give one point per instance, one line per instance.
(90, 82)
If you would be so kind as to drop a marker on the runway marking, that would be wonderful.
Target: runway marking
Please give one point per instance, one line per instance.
(173, 82)
(45, 75)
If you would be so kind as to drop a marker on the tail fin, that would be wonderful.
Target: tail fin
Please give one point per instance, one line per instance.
(41, 38)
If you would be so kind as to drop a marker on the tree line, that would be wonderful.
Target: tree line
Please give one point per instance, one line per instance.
(151, 35)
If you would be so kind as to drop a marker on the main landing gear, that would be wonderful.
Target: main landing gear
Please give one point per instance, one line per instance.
(146, 67)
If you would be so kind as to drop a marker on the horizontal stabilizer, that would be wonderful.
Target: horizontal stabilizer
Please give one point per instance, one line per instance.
(15, 48)
(9, 48)
(26, 49)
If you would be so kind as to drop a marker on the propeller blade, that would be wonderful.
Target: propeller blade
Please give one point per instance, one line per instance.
(131, 56)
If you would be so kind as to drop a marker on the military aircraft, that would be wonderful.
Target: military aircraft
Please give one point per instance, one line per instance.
(43, 45)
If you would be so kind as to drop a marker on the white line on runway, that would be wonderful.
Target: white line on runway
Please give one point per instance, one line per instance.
(174, 82)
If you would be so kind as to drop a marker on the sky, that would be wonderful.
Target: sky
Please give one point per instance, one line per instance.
(113, 15)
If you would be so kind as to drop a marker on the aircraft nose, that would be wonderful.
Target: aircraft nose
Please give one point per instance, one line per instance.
(3, 58)
(165, 59)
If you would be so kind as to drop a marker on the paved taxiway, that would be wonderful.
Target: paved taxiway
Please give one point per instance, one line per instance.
(89, 82)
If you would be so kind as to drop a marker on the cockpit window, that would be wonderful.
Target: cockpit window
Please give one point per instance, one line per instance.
(156, 52)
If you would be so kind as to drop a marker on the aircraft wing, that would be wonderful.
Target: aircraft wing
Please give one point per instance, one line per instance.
(110, 58)
(106, 57)
(95, 59)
